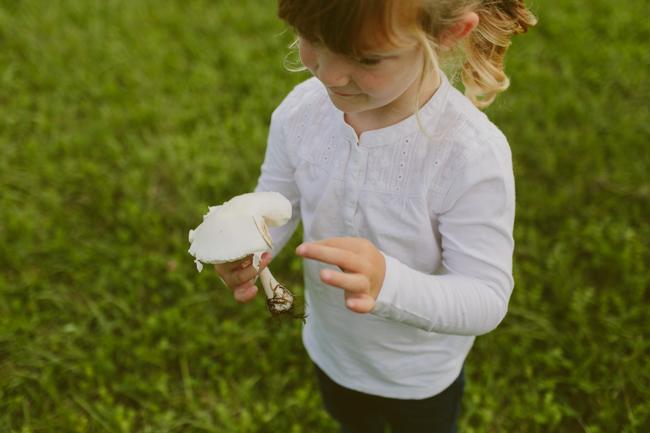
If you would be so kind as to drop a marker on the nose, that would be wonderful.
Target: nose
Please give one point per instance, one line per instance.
(332, 70)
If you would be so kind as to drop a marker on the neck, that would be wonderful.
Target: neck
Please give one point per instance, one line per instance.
(399, 109)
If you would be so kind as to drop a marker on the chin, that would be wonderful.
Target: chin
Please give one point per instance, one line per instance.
(347, 106)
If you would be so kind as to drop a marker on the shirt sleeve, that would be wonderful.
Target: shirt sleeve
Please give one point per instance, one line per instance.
(277, 173)
(475, 219)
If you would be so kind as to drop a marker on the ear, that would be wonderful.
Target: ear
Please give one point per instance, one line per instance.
(459, 30)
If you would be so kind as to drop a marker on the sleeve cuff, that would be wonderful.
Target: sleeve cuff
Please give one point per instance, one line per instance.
(388, 302)
(388, 293)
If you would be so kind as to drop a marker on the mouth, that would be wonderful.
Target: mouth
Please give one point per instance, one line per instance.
(342, 93)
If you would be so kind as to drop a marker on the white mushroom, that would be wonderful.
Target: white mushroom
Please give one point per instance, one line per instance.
(239, 228)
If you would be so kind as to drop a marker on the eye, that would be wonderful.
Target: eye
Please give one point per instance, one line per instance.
(369, 61)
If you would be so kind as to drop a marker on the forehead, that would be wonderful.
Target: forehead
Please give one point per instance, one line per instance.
(373, 42)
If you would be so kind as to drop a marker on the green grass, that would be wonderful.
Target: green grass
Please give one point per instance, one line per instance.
(121, 121)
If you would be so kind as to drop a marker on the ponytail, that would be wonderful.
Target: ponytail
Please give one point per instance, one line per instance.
(483, 72)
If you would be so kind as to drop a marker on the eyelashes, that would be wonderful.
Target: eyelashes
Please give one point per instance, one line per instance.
(368, 61)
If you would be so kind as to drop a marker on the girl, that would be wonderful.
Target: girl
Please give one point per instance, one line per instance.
(406, 194)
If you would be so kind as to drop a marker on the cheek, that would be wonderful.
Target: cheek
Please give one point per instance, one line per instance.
(393, 80)
(370, 82)
(377, 84)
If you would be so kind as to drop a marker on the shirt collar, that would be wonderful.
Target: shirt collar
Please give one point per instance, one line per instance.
(403, 130)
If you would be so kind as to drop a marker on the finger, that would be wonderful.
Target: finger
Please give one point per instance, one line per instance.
(238, 277)
(245, 293)
(360, 303)
(222, 268)
(242, 277)
(354, 283)
(243, 263)
(356, 245)
(344, 259)
(246, 285)
(265, 259)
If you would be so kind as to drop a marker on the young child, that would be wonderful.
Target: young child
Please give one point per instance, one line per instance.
(406, 194)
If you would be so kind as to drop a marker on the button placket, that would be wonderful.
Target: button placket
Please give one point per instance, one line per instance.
(354, 177)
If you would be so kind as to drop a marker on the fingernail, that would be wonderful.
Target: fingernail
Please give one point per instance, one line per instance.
(265, 256)
(301, 249)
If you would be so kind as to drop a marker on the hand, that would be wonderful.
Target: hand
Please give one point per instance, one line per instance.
(362, 264)
(240, 276)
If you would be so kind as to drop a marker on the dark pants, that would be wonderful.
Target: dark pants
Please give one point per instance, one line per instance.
(357, 412)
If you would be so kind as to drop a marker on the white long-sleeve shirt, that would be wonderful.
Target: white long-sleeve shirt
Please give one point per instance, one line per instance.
(439, 206)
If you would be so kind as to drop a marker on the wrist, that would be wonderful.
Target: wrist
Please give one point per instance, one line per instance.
(387, 292)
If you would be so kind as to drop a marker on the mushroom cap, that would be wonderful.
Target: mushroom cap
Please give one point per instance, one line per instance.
(238, 227)
(273, 206)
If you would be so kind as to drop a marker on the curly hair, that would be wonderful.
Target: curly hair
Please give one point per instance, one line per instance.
(348, 26)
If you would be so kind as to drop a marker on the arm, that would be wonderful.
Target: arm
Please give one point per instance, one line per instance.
(277, 173)
(476, 218)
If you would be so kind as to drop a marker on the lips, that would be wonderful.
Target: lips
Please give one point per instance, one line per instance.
(342, 93)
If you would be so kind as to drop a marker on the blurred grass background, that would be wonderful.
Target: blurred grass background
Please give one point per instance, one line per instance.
(121, 121)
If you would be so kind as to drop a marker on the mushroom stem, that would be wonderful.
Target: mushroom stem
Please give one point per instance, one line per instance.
(267, 282)
(279, 298)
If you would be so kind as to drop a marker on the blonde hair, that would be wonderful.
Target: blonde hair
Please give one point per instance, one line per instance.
(350, 26)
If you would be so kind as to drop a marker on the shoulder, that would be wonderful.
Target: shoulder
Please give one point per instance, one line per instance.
(303, 100)
(477, 151)
(472, 134)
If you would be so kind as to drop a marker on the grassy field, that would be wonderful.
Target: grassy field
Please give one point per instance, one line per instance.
(122, 120)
